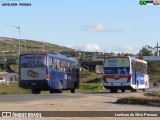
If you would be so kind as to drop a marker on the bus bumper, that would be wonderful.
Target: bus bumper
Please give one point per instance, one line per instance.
(118, 87)
(29, 84)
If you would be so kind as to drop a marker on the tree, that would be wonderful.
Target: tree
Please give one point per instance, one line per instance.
(146, 51)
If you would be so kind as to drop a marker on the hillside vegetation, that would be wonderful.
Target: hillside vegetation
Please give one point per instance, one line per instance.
(9, 47)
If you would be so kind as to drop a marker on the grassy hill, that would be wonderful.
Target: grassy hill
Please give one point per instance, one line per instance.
(9, 47)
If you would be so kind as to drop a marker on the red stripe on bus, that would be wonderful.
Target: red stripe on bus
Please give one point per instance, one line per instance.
(116, 76)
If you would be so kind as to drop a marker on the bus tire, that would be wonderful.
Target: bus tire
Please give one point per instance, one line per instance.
(137, 86)
(133, 90)
(52, 91)
(35, 91)
(73, 90)
(145, 87)
(58, 91)
(123, 90)
(113, 90)
(143, 90)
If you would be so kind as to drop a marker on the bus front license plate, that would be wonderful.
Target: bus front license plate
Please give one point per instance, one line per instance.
(33, 84)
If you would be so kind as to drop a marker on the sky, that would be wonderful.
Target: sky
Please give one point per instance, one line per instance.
(119, 26)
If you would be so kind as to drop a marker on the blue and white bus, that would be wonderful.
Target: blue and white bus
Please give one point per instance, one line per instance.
(125, 73)
(48, 71)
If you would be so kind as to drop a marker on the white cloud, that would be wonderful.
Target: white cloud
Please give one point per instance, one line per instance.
(70, 46)
(127, 49)
(100, 28)
(91, 47)
(76, 47)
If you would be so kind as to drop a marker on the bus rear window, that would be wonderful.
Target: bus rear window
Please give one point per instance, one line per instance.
(116, 66)
(116, 62)
(31, 61)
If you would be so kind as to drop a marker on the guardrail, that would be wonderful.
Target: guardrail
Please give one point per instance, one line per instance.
(9, 61)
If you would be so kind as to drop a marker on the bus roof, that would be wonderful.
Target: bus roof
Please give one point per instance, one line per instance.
(131, 58)
(53, 54)
(138, 60)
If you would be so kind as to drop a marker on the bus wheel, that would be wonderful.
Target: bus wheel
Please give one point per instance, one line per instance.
(113, 90)
(133, 90)
(143, 90)
(52, 91)
(73, 90)
(36, 91)
(145, 87)
(123, 90)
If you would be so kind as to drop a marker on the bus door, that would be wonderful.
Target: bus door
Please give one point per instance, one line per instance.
(77, 78)
(53, 71)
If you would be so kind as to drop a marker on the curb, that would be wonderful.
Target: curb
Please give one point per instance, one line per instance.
(139, 103)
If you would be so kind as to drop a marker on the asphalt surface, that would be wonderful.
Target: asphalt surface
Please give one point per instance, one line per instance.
(89, 101)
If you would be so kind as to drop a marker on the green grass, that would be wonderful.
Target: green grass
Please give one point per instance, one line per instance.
(13, 89)
(156, 93)
(14, 67)
(139, 100)
(85, 73)
(31, 46)
(1, 69)
(84, 87)
(90, 87)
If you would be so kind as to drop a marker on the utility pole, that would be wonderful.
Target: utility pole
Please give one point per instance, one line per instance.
(19, 29)
(19, 50)
(157, 49)
(25, 46)
(43, 46)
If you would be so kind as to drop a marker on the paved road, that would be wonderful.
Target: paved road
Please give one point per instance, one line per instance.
(67, 101)
(95, 101)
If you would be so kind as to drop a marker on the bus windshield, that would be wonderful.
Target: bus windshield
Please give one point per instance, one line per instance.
(116, 66)
(32, 61)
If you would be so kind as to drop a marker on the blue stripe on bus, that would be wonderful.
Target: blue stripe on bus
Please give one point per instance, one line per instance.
(139, 78)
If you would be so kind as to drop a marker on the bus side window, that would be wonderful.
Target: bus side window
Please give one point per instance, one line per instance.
(134, 67)
(50, 61)
(66, 66)
(69, 66)
(143, 68)
(62, 65)
(58, 64)
(137, 67)
(73, 67)
(146, 71)
(55, 64)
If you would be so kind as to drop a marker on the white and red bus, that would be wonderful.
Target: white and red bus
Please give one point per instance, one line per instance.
(125, 73)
